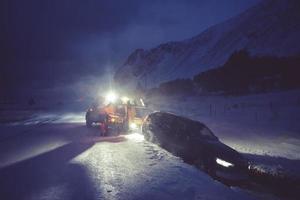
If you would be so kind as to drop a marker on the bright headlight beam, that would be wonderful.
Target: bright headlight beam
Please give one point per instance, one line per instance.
(125, 99)
(133, 126)
(111, 97)
(224, 163)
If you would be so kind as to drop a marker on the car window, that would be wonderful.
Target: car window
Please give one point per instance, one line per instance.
(181, 128)
(161, 121)
(190, 129)
(204, 133)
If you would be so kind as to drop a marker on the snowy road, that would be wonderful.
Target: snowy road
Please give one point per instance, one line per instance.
(62, 159)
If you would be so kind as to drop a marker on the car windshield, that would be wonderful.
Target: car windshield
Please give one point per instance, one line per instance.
(206, 133)
(199, 130)
(186, 126)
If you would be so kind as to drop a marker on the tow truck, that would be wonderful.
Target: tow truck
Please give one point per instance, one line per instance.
(116, 114)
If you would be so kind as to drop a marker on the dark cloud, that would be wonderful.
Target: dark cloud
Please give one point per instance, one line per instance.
(43, 27)
(45, 42)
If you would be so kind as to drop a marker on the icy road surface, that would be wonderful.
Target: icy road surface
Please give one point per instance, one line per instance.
(57, 157)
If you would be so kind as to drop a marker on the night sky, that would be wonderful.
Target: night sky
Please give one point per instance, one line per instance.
(46, 43)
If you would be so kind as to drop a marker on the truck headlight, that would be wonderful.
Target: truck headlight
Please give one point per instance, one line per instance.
(133, 126)
(224, 163)
(125, 100)
(111, 97)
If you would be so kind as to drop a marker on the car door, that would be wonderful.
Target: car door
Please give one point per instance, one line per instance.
(178, 140)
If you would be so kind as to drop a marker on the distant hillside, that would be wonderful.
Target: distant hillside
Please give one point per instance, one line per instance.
(241, 74)
(245, 74)
(270, 28)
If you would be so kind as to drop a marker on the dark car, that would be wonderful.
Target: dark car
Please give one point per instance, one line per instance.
(195, 144)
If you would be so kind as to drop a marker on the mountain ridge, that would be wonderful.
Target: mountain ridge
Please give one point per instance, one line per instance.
(256, 29)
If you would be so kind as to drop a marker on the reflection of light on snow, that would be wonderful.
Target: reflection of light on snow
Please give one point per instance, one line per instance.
(135, 136)
(52, 118)
(71, 118)
(36, 149)
(40, 118)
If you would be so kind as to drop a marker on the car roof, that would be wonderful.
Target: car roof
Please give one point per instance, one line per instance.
(193, 124)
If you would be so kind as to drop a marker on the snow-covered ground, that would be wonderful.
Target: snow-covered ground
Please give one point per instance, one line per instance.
(62, 159)
(52, 155)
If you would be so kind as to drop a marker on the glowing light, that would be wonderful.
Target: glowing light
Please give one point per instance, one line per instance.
(111, 97)
(142, 102)
(224, 163)
(125, 99)
(133, 126)
(136, 137)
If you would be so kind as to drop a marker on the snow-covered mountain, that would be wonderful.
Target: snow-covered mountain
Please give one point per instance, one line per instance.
(272, 27)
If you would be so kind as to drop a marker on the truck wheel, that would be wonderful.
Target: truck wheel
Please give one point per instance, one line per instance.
(103, 129)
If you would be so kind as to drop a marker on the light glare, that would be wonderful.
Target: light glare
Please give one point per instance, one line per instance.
(224, 163)
(136, 137)
(111, 97)
(125, 99)
(133, 126)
